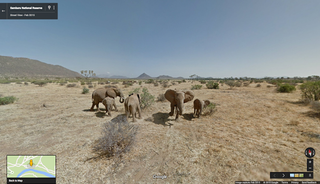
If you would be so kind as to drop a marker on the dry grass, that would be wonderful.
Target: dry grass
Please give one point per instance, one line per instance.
(253, 132)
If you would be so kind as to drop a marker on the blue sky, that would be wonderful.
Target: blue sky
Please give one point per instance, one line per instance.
(214, 38)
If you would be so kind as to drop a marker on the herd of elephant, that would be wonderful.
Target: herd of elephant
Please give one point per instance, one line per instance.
(177, 99)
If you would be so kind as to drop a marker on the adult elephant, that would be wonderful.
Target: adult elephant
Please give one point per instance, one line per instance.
(177, 99)
(101, 93)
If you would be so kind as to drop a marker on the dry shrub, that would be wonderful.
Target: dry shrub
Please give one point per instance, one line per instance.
(258, 85)
(165, 84)
(210, 109)
(315, 105)
(90, 86)
(118, 136)
(156, 84)
(161, 98)
(71, 85)
(246, 84)
(26, 83)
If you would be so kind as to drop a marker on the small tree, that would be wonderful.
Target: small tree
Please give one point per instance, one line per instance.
(87, 73)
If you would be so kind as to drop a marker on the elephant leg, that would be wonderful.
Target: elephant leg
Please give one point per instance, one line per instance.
(172, 110)
(91, 109)
(139, 111)
(200, 112)
(133, 114)
(98, 106)
(127, 112)
(115, 107)
(177, 113)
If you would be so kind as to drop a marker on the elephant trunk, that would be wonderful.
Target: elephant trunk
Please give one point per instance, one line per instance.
(121, 97)
(180, 107)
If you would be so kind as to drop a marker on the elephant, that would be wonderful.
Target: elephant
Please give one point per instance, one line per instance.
(108, 102)
(132, 105)
(177, 99)
(199, 105)
(101, 93)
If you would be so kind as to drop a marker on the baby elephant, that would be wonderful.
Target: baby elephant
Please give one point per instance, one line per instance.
(108, 102)
(132, 105)
(199, 105)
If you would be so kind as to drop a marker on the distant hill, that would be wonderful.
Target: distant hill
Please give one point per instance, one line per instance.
(144, 76)
(24, 67)
(112, 76)
(164, 77)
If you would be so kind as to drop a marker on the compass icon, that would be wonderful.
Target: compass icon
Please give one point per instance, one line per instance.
(309, 152)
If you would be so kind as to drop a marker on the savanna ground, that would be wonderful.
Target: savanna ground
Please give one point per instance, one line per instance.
(253, 132)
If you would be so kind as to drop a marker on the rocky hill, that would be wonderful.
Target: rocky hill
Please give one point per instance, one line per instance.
(24, 67)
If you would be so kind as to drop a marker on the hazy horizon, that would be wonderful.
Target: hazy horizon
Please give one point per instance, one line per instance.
(177, 38)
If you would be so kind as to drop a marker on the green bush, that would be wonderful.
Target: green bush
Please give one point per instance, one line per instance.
(179, 82)
(39, 83)
(140, 82)
(156, 84)
(286, 88)
(26, 83)
(85, 90)
(7, 100)
(82, 83)
(230, 83)
(194, 87)
(209, 109)
(146, 99)
(71, 85)
(90, 86)
(212, 85)
(258, 85)
(202, 81)
(149, 81)
(310, 90)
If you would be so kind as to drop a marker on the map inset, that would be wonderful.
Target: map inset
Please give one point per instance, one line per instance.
(31, 166)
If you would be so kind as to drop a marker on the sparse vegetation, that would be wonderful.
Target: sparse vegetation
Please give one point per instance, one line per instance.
(202, 81)
(212, 85)
(161, 98)
(117, 138)
(183, 80)
(258, 85)
(140, 82)
(165, 84)
(194, 87)
(85, 90)
(26, 83)
(7, 100)
(209, 109)
(156, 84)
(39, 83)
(286, 88)
(90, 86)
(71, 85)
(310, 91)
(149, 81)
(82, 83)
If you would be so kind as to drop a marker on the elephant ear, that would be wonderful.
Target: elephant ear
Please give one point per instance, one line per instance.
(188, 96)
(169, 95)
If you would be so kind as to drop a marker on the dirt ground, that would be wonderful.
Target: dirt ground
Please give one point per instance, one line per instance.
(254, 131)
